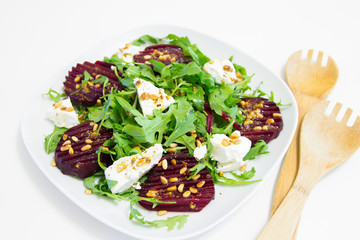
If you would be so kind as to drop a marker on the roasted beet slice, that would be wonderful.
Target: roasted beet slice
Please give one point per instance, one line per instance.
(165, 53)
(168, 182)
(88, 94)
(76, 154)
(262, 119)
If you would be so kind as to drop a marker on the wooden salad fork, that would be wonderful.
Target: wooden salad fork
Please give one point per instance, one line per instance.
(310, 84)
(324, 145)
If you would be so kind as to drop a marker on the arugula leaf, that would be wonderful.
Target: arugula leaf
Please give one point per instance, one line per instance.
(144, 39)
(187, 141)
(170, 222)
(218, 97)
(53, 138)
(196, 169)
(245, 175)
(259, 148)
(190, 69)
(240, 69)
(101, 186)
(189, 49)
(122, 147)
(155, 128)
(185, 118)
(55, 96)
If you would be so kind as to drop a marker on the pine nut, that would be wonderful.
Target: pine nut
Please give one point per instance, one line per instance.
(173, 179)
(71, 151)
(186, 194)
(86, 147)
(276, 114)
(172, 150)
(196, 177)
(161, 212)
(88, 191)
(183, 170)
(243, 167)
(173, 161)
(270, 120)
(74, 138)
(225, 142)
(181, 187)
(200, 184)
(65, 136)
(151, 193)
(77, 79)
(65, 148)
(193, 190)
(164, 164)
(172, 145)
(171, 189)
(192, 205)
(163, 180)
(53, 163)
(67, 142)
(89, 141)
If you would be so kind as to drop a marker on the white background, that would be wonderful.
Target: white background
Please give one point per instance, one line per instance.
(39, 37)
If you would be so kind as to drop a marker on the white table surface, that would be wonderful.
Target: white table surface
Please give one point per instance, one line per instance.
(39, 36)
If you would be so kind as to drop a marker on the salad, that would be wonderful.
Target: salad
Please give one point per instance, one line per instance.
(159, 124)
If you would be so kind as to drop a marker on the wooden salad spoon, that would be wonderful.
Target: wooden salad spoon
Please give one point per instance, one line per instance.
(310, 83)
(324, 145)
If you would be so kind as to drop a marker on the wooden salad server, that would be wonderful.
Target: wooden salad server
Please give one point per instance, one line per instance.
(324, 145)
(310, 83)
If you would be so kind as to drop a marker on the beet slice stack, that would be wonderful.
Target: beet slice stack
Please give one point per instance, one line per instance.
(88, 94)
(165, 53)
(262, 119)
(168, 182)
(76, 154)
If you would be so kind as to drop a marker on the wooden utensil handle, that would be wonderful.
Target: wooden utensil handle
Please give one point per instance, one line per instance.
(283, 223)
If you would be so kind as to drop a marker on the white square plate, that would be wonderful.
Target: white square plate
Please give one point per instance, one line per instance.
(116, 214)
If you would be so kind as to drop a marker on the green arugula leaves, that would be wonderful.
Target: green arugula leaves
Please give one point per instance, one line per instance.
(53, 138)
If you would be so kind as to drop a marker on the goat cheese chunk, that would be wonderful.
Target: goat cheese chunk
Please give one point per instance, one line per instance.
(127, 171)
(222, 70)
(229, 151)
(151, 97)
(63, 114)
